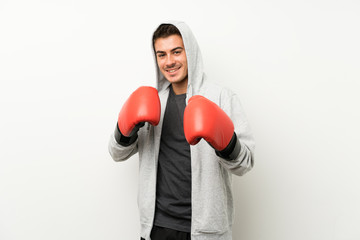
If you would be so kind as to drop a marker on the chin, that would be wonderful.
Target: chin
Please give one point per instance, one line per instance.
(172, 80)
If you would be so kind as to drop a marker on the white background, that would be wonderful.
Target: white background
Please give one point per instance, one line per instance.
(66, 67)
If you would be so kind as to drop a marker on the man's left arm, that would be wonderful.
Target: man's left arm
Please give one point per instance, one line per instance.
(225, 128)
(244, 161)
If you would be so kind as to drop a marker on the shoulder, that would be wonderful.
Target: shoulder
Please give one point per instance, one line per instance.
(219, 94)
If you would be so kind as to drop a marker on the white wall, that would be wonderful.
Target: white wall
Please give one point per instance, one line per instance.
(66, 67)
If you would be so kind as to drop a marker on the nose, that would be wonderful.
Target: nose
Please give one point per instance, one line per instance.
(170, 61)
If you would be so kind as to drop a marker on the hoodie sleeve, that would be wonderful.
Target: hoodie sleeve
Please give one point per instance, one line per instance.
(121, 153)
(230, 103)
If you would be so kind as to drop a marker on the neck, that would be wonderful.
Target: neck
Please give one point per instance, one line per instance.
(180, 88)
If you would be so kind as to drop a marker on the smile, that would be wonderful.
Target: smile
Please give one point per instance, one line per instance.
(172, 70)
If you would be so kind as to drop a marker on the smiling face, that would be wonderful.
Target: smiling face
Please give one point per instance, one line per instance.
(172, 62)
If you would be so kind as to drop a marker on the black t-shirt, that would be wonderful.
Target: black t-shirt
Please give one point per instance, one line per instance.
(173, 189)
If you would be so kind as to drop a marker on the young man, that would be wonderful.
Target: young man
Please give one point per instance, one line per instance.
(185, 184)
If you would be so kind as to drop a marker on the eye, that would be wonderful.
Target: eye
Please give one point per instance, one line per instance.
(177, 52)
(161, 55)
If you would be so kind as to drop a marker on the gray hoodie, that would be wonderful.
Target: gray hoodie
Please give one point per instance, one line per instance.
(212, 200)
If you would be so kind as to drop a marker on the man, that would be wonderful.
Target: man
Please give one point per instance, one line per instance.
(184, 189)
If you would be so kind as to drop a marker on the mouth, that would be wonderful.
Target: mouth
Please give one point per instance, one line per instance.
(172, 70)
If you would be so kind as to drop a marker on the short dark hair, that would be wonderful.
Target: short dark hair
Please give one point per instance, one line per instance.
(165, 30)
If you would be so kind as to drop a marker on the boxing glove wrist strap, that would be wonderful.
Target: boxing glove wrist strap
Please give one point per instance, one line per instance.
(232, 150)
(123, 140)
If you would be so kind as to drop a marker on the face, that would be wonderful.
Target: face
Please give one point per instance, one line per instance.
(171, 59)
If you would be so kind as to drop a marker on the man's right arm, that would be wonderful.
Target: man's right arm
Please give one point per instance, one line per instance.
(119, 152)
(142, 106)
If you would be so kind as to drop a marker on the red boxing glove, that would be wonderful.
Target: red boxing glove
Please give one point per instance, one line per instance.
(204, 119)
(142, 106)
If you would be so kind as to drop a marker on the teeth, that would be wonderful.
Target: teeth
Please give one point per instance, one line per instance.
(173, 70)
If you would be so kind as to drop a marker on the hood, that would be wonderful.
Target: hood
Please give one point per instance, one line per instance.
(196, 74)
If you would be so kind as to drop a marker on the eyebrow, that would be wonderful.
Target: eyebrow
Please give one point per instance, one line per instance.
(170, 50)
